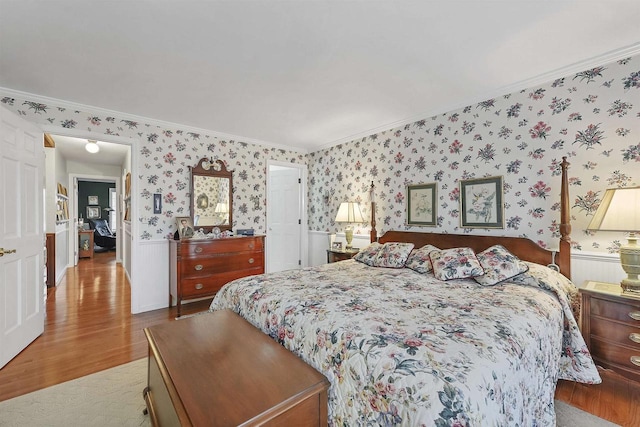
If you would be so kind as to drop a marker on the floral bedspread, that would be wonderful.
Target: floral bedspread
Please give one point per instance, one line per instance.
(402, 348)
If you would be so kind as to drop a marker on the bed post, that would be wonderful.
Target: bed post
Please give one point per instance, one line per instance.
(374, 233)
(565, 223)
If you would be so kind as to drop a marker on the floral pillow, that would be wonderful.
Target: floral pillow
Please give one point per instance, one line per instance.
(455, 263)
(393, 255)
(368, 255)
(419, 259)
(499, 264)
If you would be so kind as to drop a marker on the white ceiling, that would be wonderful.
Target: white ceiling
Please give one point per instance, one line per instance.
(73, 149)
(301, 73)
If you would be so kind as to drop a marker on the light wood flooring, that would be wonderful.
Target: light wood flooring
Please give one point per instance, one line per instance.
(89, 327)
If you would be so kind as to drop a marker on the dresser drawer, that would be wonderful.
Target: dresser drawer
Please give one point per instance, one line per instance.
(209, 285)
(206, 265)
(220, 246)
(616, 310)
(626, 335)
(616, 354)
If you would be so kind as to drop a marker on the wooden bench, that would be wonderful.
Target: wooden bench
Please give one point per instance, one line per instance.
(201, 374)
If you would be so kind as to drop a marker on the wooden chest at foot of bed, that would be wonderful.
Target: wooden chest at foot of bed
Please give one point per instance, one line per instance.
(201, 374)
(199, 268)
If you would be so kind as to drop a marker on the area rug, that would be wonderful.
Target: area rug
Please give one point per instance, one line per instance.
(114, 398)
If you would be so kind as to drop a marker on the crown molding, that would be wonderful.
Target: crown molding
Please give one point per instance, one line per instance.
(608, 57)
(147, 120)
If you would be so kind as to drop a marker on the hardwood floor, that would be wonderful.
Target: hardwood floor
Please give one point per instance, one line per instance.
(89, 328)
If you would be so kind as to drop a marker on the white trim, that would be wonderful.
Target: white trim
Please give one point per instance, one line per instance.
(547, 77)
(596, 256)
(147, 120)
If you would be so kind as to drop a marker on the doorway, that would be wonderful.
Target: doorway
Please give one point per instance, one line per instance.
(286, 216)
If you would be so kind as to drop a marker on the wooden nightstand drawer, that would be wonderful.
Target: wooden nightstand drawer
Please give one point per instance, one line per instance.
(616, 356)
(616, 332)
(334, 255)
(615, 310)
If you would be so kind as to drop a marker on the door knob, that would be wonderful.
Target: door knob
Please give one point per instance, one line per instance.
(7, 251)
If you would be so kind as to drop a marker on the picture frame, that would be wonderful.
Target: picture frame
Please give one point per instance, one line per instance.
(93, 200)
(157, 203)
(93, 212)
(422, 209)
(184, 224)
(481, 203)
(336, 246)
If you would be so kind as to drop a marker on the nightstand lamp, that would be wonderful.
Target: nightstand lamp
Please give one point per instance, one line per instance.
(350, 213)
(619, 210)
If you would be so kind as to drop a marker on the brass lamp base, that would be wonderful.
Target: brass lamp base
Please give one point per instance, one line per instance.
(348, 235)
(630, 261)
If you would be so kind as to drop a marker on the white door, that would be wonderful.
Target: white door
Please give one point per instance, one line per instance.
(21, 234)
(284, 219)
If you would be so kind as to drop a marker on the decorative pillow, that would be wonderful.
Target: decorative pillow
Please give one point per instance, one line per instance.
(393, 255)
(455, 263)
(499, 264)
(419, 259)
(368, 255)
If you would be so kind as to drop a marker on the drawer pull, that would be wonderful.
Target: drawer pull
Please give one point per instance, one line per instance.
(250, 245)
(198, 267)
(635, 337)
(198, 249)
(251, 260)
(635, 360)
(199, 286)
(635, 315)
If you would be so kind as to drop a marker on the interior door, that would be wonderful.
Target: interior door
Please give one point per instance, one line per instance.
(21, 234)
(284, 218)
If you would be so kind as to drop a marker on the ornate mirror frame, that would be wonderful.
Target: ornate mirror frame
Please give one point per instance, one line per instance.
(211, 195)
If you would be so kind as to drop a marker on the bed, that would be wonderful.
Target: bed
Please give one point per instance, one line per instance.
(400, 346)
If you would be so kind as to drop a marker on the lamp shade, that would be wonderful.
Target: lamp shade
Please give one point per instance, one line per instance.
(349, 212)
(222, 208)
(619, 210)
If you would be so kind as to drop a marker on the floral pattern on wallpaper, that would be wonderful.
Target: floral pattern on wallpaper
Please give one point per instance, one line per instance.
(592, 118)
(164, 159)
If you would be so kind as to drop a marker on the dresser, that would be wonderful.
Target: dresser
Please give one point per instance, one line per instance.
(199, 268)
(201, 374)
(611, 327)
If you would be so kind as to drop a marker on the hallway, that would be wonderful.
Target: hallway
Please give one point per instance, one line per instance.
(88, 328)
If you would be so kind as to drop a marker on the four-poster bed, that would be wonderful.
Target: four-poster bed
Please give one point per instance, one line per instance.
(426, 328)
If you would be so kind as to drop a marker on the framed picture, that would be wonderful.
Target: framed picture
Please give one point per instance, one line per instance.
(185, 227)
(421, 205)
(157, 203)
(93, 212)
(93, 200)
(481, 204)
(336, 246)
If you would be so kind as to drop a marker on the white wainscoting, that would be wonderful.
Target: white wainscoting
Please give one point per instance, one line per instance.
(595, 266)
(151, 275)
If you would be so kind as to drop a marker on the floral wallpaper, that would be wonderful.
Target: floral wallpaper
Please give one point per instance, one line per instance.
(592, 117)
(164, 158)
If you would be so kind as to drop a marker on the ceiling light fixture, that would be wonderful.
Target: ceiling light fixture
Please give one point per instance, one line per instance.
(92, 146)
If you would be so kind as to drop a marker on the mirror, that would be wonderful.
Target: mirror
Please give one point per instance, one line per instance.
(211, 195)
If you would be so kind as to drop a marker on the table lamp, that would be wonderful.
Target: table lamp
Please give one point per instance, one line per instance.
(349, 212)
(619, 210)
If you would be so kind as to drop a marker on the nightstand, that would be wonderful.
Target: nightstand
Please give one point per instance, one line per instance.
(334, 255)
(85, 244)
(611, 327)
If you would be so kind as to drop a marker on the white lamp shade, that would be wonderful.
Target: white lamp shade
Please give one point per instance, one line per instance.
(619, 210)
(222, 208)
(349, 212)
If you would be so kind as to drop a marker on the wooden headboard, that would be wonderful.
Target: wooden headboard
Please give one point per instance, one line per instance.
(523, 248)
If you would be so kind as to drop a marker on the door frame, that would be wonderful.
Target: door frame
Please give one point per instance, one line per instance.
(304, 226)
(136, 290)
(73, 237)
